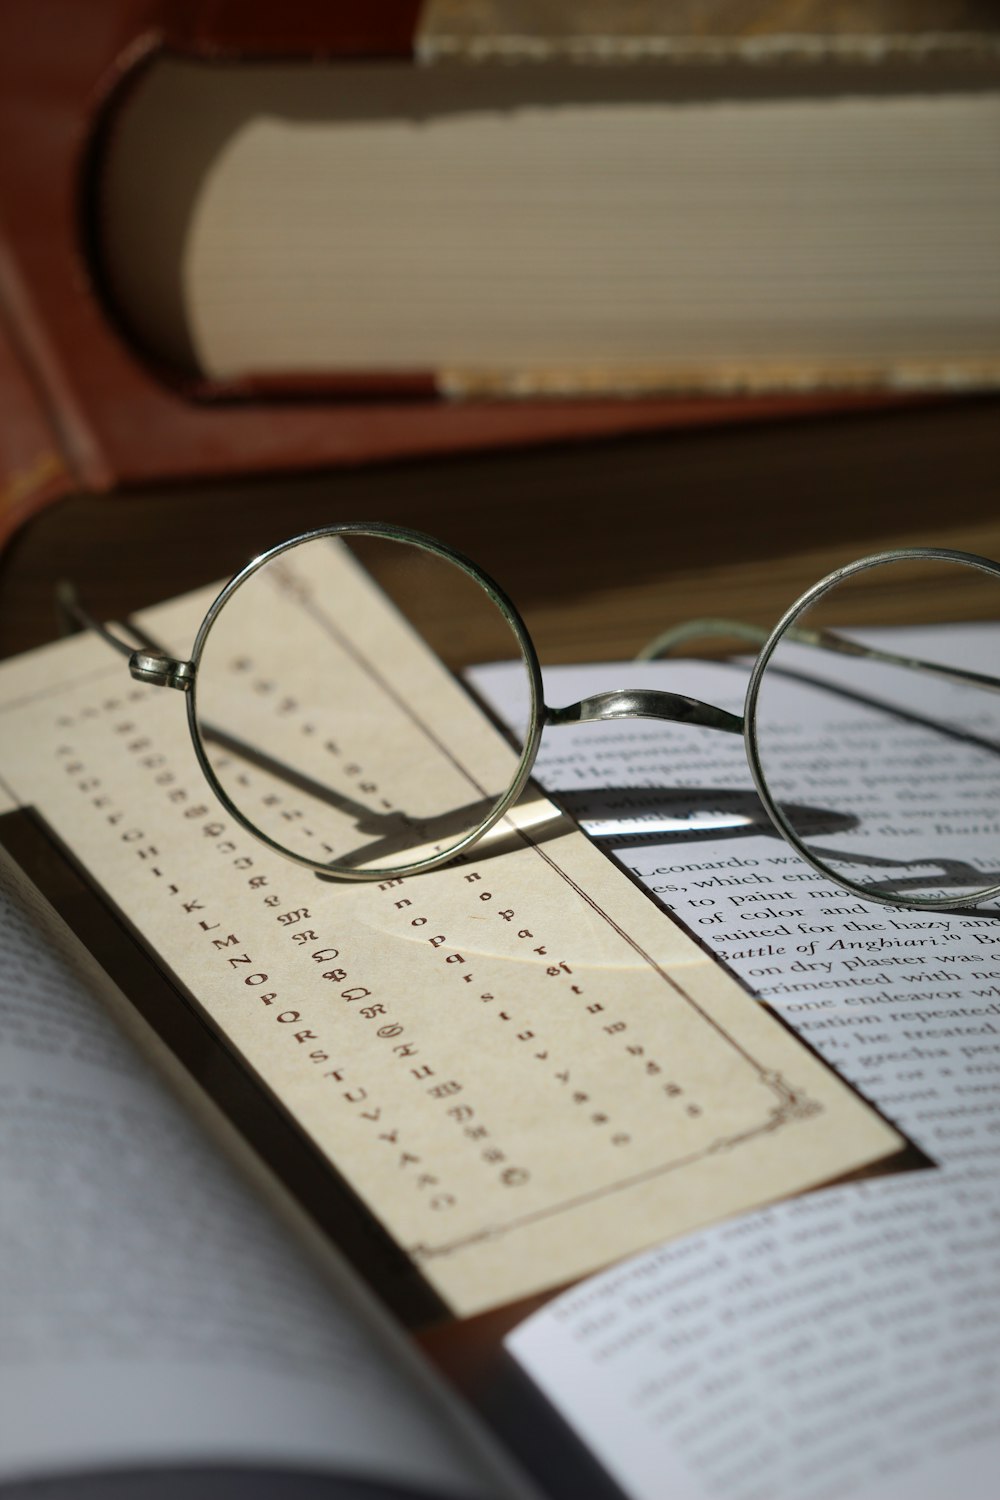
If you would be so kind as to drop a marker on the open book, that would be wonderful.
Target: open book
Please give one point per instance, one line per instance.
(843, 1343)
(463, 1091)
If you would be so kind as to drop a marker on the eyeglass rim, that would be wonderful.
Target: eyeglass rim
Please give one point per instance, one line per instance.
(387, 532)
(750, 726)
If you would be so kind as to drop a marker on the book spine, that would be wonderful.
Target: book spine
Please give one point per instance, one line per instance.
(47, 449)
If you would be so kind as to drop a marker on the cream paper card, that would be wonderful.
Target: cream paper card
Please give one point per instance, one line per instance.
(524, 1068)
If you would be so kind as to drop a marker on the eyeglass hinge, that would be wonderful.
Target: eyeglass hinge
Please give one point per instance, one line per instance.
(162, 671)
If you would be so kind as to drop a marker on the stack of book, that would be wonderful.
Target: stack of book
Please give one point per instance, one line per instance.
(461, 225)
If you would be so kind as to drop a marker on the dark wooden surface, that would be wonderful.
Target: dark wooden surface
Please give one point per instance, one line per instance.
(600, 545)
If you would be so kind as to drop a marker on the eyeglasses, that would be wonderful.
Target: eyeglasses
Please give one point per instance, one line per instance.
(327, 730)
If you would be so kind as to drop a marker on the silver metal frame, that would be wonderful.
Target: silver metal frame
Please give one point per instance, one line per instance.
(506, 607)
(152, 665)
(785, 629)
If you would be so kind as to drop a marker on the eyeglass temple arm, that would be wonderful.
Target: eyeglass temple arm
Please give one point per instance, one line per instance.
(149, 664)
(824, 640)
(73, 618)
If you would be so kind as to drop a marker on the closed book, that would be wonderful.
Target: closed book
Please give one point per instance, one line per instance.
(568, 202)
(90, 404)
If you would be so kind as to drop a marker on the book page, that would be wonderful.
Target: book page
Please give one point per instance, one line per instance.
(153, 1311)
(842, 1344)
(520, 1065)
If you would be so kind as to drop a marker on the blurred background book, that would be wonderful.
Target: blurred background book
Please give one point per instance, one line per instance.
(248, 239)
(566, 199)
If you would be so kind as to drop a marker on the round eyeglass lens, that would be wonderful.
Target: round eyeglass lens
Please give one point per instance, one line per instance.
(325, 718)
(877, 749)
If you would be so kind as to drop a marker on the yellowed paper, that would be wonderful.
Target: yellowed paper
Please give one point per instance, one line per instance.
(523, 1067)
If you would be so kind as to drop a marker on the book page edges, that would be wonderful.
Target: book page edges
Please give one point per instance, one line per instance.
(751, 32)
(742, 378)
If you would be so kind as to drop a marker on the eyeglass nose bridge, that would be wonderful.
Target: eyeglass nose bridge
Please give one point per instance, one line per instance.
(646, 703)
